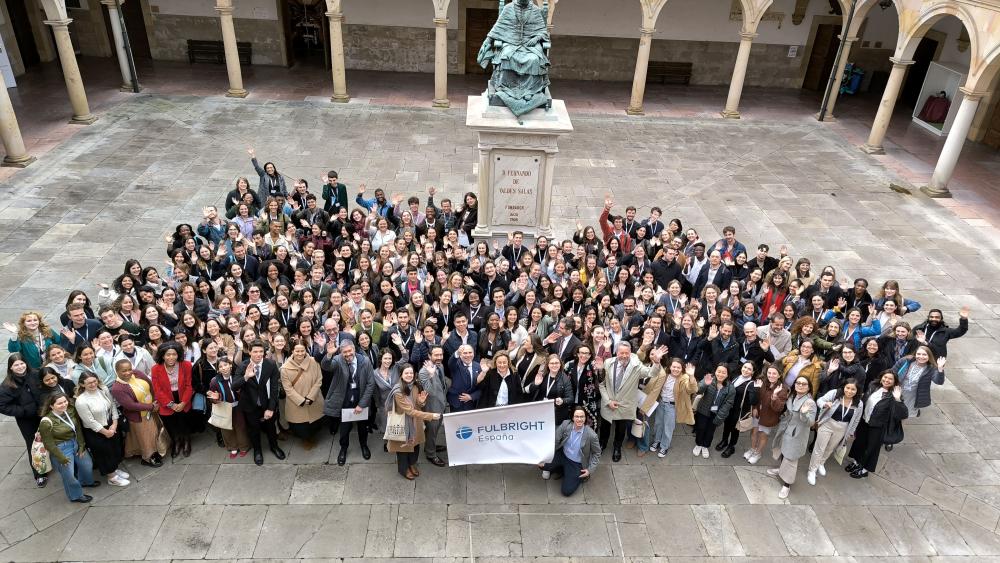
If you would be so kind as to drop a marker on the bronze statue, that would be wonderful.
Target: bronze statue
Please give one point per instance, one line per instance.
(517, 47)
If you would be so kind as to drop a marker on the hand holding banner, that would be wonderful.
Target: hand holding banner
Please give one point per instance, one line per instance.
(524, 433)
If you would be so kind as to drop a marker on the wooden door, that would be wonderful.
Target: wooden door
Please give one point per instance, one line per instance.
(478, 23)
(22, 33)
(821, 59)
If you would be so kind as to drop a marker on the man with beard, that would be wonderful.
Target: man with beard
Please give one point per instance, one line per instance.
(936, 334)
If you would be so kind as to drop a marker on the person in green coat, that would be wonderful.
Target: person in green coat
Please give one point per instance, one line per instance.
(62, 434)
(33, 336)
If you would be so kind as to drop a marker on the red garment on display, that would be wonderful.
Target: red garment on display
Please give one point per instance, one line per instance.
(935, 109)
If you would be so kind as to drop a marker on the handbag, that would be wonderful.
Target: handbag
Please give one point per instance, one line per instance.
(163, 440)
(840, 453)
(40, 460)
(638, 428)
(696, 401)
(198, 402)
(745, 423)
(395, 427)
(222, 416)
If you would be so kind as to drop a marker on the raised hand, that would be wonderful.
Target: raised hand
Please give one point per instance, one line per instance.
(251, 152)
(431, 191)
(964, 313)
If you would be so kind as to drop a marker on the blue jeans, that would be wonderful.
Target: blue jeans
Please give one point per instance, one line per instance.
(77, 473)
(664, 421)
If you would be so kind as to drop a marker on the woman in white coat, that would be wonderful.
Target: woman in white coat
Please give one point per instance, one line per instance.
(839, 414)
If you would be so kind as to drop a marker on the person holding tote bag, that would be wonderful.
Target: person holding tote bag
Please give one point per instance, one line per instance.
(402, 406)
(839, 414)
(220, 390)
(793, 433)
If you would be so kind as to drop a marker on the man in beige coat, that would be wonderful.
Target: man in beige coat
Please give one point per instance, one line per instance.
(618, 393)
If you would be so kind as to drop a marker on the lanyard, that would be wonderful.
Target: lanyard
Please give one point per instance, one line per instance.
(68, 420)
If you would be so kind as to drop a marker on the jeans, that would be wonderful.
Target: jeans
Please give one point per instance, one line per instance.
(76, 474)
(569, 469)
(405, 460)
(664, 421)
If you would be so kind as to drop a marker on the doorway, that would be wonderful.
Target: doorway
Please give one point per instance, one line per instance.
(135, 26)
(22, 33)
(922, 58)
(478, 23)
(822, 57)
(306, 33)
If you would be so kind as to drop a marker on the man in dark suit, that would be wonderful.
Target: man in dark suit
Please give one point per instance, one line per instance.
(258, 382)
(464, 392)
(350, 388)
(715, 272)
(247, 261)
(461, 335)
(563, 341)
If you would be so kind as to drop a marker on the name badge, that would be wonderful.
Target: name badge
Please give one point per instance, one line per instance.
(354, 385)
(715, 408)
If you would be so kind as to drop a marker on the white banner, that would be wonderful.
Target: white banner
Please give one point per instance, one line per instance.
(524, 433)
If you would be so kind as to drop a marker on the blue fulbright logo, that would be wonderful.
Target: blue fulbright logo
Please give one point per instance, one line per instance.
(463, 433)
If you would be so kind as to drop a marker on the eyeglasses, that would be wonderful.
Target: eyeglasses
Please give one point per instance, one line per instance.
(797, 383)
(253, 291)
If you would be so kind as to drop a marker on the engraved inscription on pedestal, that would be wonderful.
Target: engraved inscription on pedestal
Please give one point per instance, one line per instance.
(515, 183)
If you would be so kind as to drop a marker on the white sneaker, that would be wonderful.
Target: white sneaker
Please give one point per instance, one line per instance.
(118, 481)
(747, 454)
(754, 458)
(773, 472)
(821, 470)
(122, 474)
(654, 447)
(811, 477)
(662, 453)
(783, 493)
(705, 453)
(696, 451)
(546, 475)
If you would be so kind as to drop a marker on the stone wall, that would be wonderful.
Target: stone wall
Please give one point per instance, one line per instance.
(397, 49)
(171, 32)
(89, 32)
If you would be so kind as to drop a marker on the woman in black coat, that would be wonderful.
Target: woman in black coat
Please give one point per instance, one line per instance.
(840, 369)
(881, 424)
(872, 360)
(551, 382)
(586, 384)
(19, 398)
(744, 398)
(499, 375)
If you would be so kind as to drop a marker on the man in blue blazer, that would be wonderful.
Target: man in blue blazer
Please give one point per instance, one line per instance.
(463, 395)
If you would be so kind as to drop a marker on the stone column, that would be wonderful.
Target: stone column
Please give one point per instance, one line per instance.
(10, 133)
(225, 9)
(938, 186)
(886, 107)
(337, 57)
(441, 63)
(116, 32)
(71, 72)
(839, 78)
(641, 66)
(739, 74)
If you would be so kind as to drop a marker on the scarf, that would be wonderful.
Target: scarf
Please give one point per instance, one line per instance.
(390, 406)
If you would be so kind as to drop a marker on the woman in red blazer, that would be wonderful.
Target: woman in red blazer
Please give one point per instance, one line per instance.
(173, 391)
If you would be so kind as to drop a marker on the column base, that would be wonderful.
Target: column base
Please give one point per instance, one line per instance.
(870, 149)
(340, 98)
(128, 88)
(632, 110)
(17, 162)
(441, 103)
(83, 119)
(829, 118)
(931, 191)
(730, 114)
(237, 93)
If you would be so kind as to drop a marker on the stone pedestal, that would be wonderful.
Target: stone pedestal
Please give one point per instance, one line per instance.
(516, 166)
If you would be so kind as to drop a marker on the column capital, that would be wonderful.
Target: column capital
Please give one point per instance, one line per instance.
(748, 36)
(335, 16)
(224, 10)
(972, 95)
(111, 4)
(441, 22)
(896, 61)
(647, 31)
(58, 23)
(850, 39)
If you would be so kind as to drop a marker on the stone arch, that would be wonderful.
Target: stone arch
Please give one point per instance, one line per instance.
(753, 11)
(862, 11)
(926, 20)
(990, 69)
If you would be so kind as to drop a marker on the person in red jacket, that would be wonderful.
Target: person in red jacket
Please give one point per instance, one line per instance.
(615, 228)
(172, 390)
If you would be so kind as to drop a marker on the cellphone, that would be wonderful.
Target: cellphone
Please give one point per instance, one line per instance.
(170, 405)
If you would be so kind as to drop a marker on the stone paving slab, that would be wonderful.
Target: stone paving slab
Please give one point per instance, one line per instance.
(71, 220)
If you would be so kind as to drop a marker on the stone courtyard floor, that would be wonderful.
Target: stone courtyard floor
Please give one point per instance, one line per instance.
(117, 187)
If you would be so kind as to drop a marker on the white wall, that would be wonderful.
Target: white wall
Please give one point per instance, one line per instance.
(952, 26)
(246, 9)
(401, 13)
(881, 25)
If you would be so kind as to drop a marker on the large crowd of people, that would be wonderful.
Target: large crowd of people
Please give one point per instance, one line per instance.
(291, 312)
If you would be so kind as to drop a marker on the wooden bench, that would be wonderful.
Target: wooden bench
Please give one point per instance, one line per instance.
(664, 72)
(214, 51)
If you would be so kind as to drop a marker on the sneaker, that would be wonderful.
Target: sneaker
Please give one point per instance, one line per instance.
(122, 474)
(783, 493)
(811, 478)
(41, 482)
(754, 458)
(118, 481)
(704, 453)
(233, 454)
(821, 470)
(860, 473)
(696, 451)
(546, 475)
(747, 454)
(662, 453)
(852, 467)
(654, 447)
(773, 472)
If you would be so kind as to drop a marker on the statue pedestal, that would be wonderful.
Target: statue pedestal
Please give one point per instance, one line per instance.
(516, 165)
